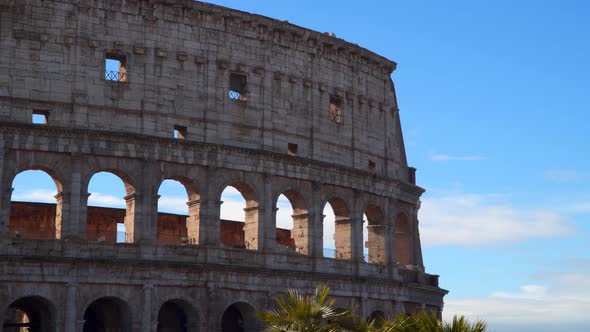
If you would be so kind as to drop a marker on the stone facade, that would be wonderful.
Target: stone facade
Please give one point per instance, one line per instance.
(210, 97)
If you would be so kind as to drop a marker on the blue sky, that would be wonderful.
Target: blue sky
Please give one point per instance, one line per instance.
(494, 106)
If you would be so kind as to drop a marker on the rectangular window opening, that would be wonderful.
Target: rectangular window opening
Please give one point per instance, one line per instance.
(40, 117)
(237, 87)
(292, 149)
(335, 111)
(115, 68)
(121, 232)
(180, 132)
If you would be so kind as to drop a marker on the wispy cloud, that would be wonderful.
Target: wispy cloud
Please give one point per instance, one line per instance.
(36, 195)
(481, 220)
(562, 175)
(446, 157)
(565, 300)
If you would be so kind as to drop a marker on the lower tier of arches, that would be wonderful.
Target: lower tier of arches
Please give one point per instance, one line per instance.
(106, 293)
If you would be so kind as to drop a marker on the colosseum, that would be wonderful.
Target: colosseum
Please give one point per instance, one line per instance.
(211, 97)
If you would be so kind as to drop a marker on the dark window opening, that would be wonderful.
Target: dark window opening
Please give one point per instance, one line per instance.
(40, 117)
(372, 166)
(335, 111)
(237, 87)
(180, 132)
(115, 68)
(292, 149)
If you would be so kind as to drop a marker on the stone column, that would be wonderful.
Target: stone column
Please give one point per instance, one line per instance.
(193, 224)
(316, 218)
(62, 222)
(300, 233)
(146, 319)
(209, 212)
(76, 219)
(345, 241)
(252, 232)
(389, 219)
(5, 193)
(376, 243)
(268, 218)
(417, 247)
(71, 308)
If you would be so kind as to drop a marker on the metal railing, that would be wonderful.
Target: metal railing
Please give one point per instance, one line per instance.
(117, 76)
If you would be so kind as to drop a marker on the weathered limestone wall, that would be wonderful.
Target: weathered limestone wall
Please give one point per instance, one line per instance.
(317, 121)
(179, 56)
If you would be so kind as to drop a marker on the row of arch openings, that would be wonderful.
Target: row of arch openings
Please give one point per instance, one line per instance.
(178, 216)
(111, 314)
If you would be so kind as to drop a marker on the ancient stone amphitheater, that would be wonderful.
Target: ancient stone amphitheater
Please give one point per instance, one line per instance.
(211, 97)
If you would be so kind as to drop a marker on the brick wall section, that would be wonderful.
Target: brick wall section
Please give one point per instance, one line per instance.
(37, 221)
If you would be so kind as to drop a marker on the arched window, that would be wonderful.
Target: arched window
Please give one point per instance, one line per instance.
(107, 314)
(177, 316)
(32, 313)
(240, 317)
(174, 208)
(292, 222)
(35, 208)
(337, 229)
(111, 208)
(239, 217)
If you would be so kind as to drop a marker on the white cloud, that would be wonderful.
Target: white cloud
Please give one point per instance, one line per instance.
(446, 157)
(98, 199)
(562, 175)
(565, 301)
(173, 204)
(480, 220)
(36, 195)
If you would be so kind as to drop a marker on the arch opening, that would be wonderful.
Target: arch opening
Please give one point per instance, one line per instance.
(178, 213)
(30, 314)
(240, 317)
(374, 235)
(107, 314)
(378, 317)
(111, 208)
(36, 207)
(239, 229)
(292, 222)
(403, 240)
(337, 230)
(177, 316)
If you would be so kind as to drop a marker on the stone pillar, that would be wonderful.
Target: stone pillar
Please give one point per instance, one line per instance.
(146, 320)
(389, 219)
(193, 224)
(61, 219)
(398, 307)
(75, 224)
(376, 243)
(5, 193)
(71, 308)
(346, 246)
(316, 218)
(417, 247)
(141, 222)
(363, 309)
(268, 218)
(252, 232)
(300, 233)
(209, 212)
(131, 227)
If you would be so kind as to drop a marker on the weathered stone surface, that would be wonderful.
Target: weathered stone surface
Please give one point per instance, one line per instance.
(309, 116)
